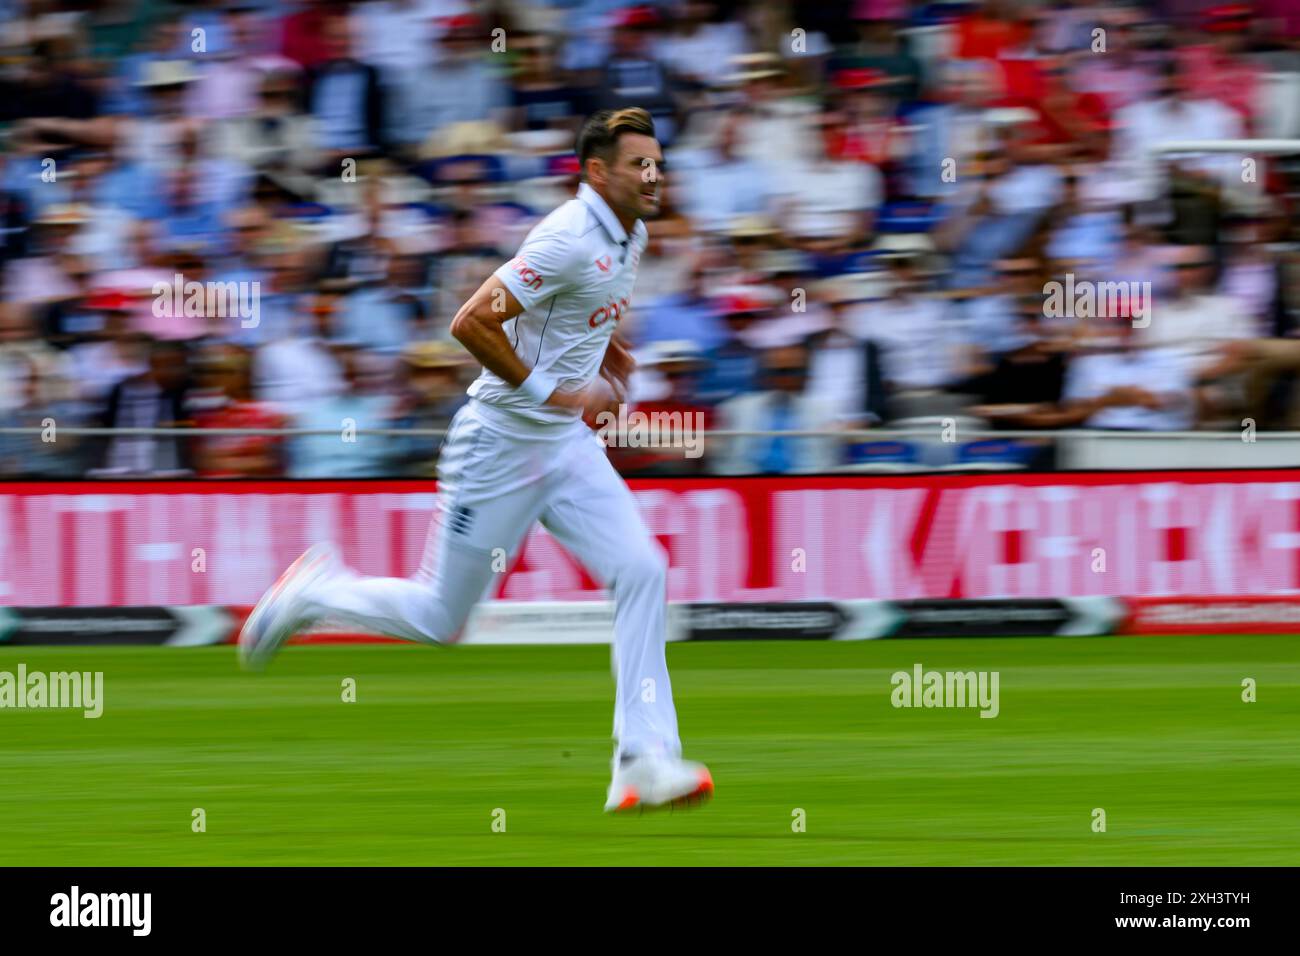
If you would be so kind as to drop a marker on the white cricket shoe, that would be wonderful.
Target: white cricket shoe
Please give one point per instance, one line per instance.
(656, 781)
(282, 611)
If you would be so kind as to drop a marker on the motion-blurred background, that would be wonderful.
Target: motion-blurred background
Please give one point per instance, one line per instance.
(927, 237)
(866, 203)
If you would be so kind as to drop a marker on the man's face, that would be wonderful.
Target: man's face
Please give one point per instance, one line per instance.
(1029, 313)
(785, 368)
(245, 28)
(60, 236)
(277, 95)
(632, 182)
(459, 45)
(1018, 275)
(697, 12)
(729, 135)
(248, 228)
(628, 41)
(14, 325)
(537, 56)
(167, 366)
(91, 169)
(435, 383)
(405, 270)
(1193, 268)
(31, 383)
(682, 379)
(322, 315)
(234, 375)
(904, 274)
(169, 100)
(335, 39)
(183, 187)
(970, 90)
(1173, 84)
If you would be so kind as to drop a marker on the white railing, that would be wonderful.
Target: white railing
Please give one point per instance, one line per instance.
(932, 446)
(1280, 146)
(934, 431)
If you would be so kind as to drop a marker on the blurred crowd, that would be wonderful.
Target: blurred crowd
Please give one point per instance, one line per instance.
(866, 205)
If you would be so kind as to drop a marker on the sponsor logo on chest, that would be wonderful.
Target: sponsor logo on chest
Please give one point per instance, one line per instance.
(613, 309)
(612, 290)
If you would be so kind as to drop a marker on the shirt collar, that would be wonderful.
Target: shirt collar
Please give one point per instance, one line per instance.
(604, 215)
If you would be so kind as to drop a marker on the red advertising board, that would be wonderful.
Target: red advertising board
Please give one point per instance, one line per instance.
(737, 539)
(1247, 614)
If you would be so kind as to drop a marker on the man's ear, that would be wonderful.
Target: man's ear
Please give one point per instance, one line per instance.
(597, 171)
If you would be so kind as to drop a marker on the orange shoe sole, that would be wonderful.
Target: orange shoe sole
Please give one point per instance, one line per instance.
(697, 797)
(701, 794)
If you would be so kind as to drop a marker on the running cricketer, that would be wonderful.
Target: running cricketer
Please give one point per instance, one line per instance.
(519, 452)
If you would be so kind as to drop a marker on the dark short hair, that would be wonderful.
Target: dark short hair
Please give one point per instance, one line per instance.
(599, 134)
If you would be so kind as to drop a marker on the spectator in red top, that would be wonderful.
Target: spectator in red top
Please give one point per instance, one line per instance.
(1125, 74)
(1064, 115)
(237, 456)
(303, 38)
(1215, 68)
(992, 31)
(1284, 13)
(872, 134)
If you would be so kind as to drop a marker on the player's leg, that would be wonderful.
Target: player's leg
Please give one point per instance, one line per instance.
(468, 540)
(467, 548)
(590, 511)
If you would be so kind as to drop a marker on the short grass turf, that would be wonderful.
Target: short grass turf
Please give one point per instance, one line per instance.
(440, 743)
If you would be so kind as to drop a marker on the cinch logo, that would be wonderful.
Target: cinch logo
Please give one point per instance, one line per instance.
(603, 263)
(102, 909)
(527, 273)
(610, 310)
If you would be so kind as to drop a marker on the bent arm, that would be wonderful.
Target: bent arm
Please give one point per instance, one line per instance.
(478, 327)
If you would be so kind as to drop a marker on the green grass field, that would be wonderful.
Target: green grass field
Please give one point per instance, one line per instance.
(1152, 730)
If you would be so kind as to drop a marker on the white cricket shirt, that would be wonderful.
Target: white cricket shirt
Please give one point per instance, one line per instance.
(573, 275)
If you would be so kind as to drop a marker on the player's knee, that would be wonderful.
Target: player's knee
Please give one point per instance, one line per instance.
(645, 566)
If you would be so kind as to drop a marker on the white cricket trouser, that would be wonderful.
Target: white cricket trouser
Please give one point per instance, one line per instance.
(494, 482)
